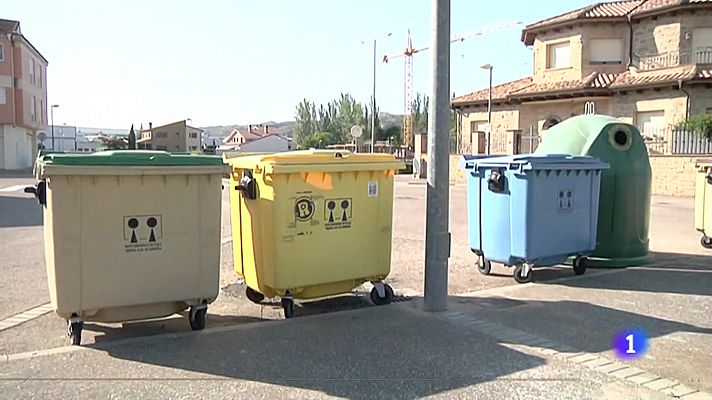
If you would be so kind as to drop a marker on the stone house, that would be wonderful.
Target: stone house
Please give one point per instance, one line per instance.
(647, 62)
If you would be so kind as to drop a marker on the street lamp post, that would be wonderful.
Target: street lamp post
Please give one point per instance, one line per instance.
(373, 97)
(51, 116)
(489, 106)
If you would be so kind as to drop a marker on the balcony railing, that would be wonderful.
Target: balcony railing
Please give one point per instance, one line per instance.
(666, 141)
(698, 55)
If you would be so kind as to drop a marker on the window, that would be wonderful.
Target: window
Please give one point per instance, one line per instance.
(193, 135)
(2, 52)
(33, 109)
(32, 71)
(478, 126)
(558, 55)
(161, 135)
(193, 148)
(39, 76)
(41, 111)
(651, 123)
(606, 51)
(3, 99)
(702, 45)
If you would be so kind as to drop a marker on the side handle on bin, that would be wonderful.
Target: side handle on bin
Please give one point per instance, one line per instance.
(495, 182)
(248, 186)
(40, 192)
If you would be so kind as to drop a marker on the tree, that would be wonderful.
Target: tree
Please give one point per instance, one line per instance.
(393, 134)
(132, 139)
(701, 124)
(319, 140)
(304, 122)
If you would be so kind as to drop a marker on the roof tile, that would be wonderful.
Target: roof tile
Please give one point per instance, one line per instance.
(525, 86)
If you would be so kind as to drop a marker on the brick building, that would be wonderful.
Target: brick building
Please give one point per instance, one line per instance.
(647, 62)
(23, 97)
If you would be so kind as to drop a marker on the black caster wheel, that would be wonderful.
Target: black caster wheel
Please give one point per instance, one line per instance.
(484, 266)
(579, 265)
(382, 301)
(74, 331)
(519, 274)
(288, 306)
(196, 317)
(254, 296)
(706, 242)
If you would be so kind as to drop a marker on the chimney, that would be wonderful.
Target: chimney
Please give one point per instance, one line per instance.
(249, 128)
(266, 129)
(150, 126)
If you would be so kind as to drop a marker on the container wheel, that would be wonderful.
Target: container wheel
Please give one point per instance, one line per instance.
(253, 295)
(579, 265)
(382, 301)
(288, 306)
(74, 331)
(196, 317)
(706, 242)
(484, 266)
(519, 274)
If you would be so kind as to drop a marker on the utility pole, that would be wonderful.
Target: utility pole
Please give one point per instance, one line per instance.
(437, 235)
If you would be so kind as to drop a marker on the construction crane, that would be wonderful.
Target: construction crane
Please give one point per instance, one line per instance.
(408, 74)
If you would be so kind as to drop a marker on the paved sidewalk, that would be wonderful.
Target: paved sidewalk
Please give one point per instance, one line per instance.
(381, 352)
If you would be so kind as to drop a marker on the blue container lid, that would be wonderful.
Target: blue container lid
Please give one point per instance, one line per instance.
(528, 162)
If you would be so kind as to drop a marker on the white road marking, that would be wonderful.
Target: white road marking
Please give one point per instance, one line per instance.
(15, 188)
(25, 316)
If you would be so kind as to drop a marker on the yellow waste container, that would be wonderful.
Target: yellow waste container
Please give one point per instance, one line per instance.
(314, 223)
(130, 235)
(703, 202)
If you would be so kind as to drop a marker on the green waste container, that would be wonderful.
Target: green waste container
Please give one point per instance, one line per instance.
(624, 205)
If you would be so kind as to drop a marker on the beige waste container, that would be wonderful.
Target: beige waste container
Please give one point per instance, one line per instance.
(703, 202)
(130, 235)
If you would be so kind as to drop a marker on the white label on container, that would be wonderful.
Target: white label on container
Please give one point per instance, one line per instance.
(372, 188)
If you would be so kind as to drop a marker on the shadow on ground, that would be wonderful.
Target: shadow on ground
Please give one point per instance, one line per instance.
(19, 211)
(586, 327)
(357, 355)
(175, 324)
(669, 273)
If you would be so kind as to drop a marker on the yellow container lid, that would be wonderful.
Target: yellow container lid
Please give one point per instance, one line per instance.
(333, 160)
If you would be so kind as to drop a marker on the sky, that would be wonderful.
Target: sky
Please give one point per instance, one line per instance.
(217, 62)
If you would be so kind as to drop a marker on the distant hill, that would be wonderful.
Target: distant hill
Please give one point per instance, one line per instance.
(286, 128)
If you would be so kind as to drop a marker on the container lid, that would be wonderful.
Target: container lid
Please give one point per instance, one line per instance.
(141, 158)
(317, 160)
(526, 162)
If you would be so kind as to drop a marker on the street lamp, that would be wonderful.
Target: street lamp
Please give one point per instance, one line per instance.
(373, 96)
(51, 113)
(489, 106)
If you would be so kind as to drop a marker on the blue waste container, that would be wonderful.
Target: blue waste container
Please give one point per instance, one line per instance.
(532, 210)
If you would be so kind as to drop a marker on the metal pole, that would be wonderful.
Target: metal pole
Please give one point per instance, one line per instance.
(373, 100)
(489, 111)
(51, 115)
(437, 237)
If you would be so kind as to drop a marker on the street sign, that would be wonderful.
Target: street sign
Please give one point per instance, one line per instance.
(42, 136)
(356, 131)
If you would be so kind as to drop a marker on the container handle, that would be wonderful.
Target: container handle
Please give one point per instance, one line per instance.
(248, 186)
(40, 192)
(495, 182)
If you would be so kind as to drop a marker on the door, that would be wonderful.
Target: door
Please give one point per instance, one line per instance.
(702, 45)
(651, 124)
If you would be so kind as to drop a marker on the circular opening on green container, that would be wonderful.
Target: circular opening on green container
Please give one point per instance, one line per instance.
(620, 138)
